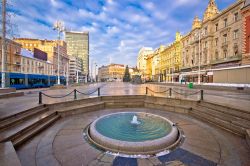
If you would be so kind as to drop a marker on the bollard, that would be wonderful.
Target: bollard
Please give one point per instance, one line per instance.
(75, 97)
(202, 95)
(40, 98)
(99, 92)
(146, 90)
(170, 92)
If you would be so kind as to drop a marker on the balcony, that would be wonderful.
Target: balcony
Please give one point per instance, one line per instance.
(228, 59)
(18, 63)
(224, 44)
(17, 53)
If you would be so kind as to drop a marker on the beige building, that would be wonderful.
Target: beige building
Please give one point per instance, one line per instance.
(214, 42)
(78, 46)
(13, 57)
(142, 62)
(32, 65)
(112, 72)
(51, 48)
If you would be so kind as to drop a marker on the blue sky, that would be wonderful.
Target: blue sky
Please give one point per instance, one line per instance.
(118, 28)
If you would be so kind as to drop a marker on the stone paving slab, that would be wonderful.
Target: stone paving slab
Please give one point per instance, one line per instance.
(8, 156)
(187, 158)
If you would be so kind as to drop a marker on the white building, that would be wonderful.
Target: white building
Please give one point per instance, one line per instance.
(31, 65)
(75, 68)
(141, 60)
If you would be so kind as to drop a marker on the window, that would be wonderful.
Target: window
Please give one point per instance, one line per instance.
(206, 44)
(236, 16)
(225, 22)
(216, 55)
(216, 27)
(205, 30)
(216, 41)
(236, 34)
(235, 52)
(225, 54)
(225, 38)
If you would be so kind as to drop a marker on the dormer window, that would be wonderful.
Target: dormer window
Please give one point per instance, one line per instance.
(236, 16)
(216, 27)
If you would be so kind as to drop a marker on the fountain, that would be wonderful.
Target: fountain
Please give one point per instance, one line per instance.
(117, 133)
(134, 120)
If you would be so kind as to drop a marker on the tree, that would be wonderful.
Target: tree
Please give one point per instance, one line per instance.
(126, 77)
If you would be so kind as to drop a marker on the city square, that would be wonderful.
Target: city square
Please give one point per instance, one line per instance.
(95, 86)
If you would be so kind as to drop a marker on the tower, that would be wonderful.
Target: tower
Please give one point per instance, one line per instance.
(196, 23)
(177, 36)
(211, 11)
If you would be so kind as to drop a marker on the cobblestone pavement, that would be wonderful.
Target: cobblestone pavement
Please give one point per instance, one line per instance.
(64, 144)
(11, 106)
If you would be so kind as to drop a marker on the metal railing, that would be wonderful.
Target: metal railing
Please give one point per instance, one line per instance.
(75, 91)
(171, 91)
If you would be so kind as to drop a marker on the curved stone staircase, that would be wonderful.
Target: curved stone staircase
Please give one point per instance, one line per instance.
(17, 129)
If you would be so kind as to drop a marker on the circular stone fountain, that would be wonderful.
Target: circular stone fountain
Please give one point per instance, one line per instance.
(134, 133)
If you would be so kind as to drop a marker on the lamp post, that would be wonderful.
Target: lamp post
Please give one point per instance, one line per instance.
(199, 57)
(95, 72)
(60, 28)
(3, 40)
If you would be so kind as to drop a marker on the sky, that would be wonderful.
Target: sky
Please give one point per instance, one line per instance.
(118, 28)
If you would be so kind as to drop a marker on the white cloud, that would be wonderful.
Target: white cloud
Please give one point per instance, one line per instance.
(117, 28)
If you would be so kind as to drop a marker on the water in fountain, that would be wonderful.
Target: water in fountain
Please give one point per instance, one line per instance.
(134, 120)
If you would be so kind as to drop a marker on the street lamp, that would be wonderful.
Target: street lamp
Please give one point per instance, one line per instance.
(95, 71)
(59, 26)
(3, 41)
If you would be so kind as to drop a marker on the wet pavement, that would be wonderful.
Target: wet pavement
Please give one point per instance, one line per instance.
(11, 106)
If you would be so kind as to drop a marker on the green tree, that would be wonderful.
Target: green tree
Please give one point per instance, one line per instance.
(126, 77)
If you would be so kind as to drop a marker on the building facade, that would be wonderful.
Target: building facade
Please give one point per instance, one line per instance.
(78, 46)
(112, 72)
(51, 48)
(142, 62)
(245, 11)
(214, 42)
(12, 57)
(75, 70)
(32, 65)
(170, 60)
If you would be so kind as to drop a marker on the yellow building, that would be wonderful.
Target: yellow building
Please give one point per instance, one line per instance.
(170, 60)
(51, 48)
(165, 62)
(112, 72)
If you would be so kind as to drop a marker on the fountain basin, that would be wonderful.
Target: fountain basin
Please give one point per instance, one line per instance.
(115, 132)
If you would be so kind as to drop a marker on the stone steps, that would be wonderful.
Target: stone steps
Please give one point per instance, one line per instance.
(243, 114)
(22, 113)
(32, 132)
(11, 94)
(124, 104)
(224, 116)
(15, 132)
(18, 118)
(73, 110)
(222, 123)
(168, 107)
